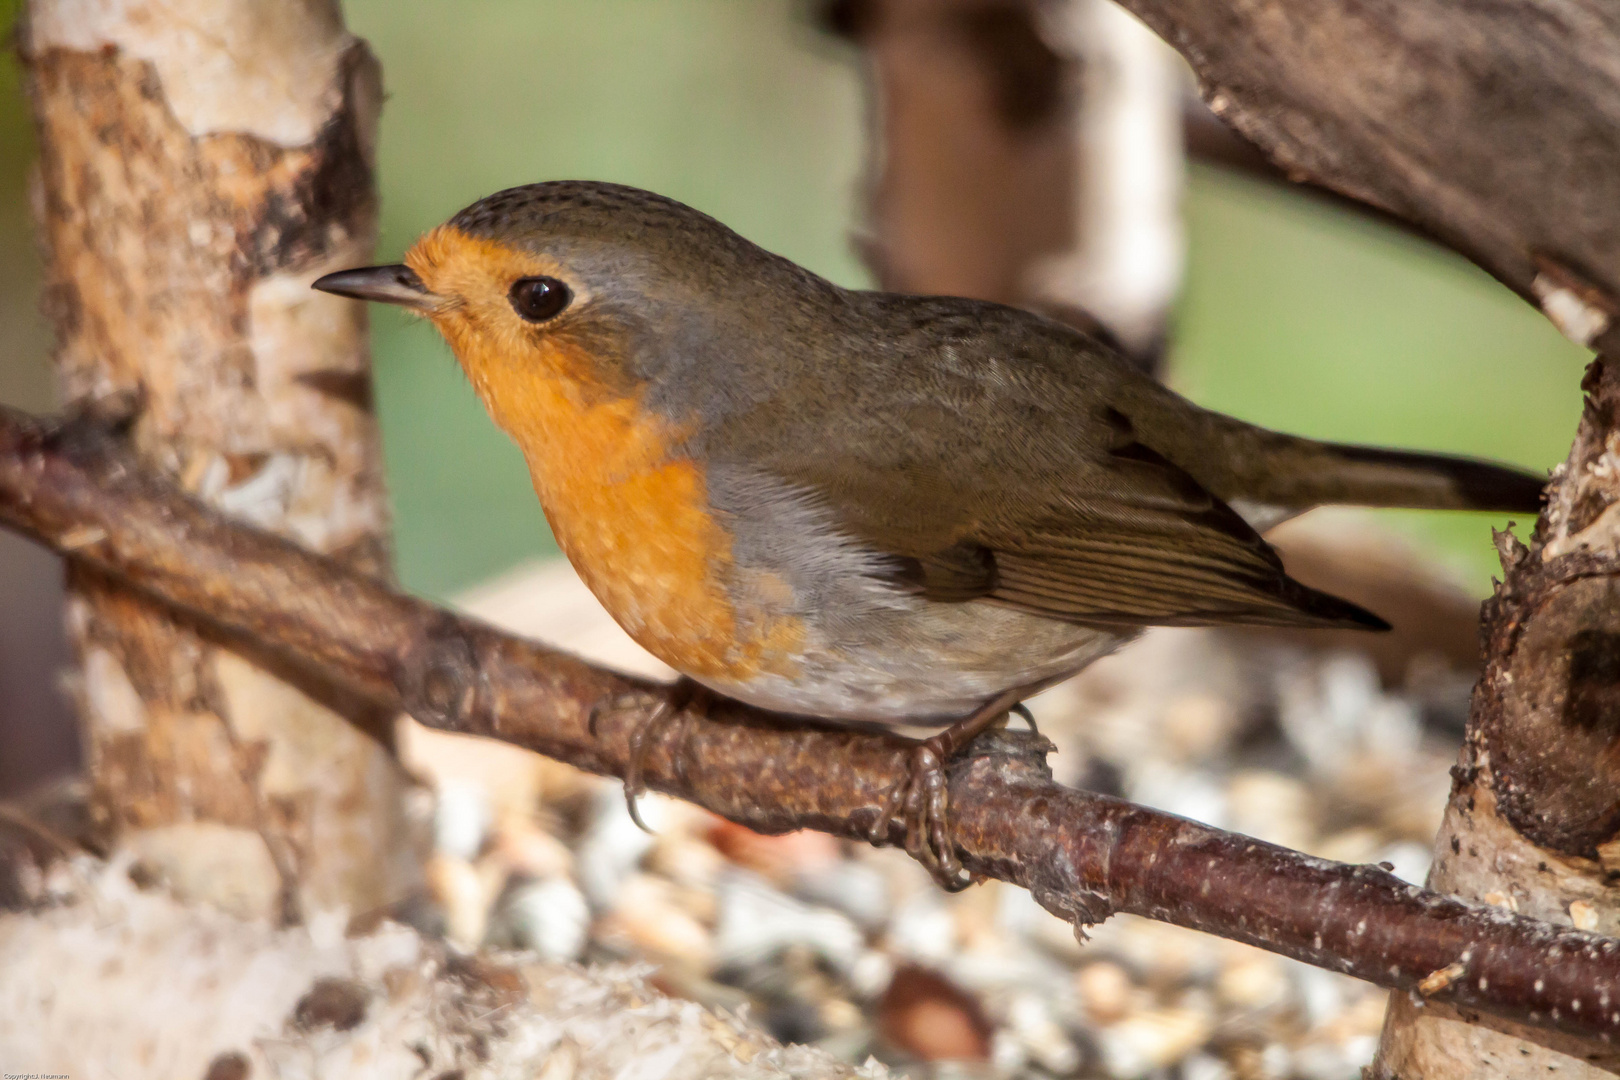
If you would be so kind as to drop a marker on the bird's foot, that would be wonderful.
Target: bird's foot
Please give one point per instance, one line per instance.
(922, 798)
(922, 801)
(683, 699)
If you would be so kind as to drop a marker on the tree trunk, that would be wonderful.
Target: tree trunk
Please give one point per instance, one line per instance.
(1533, 824)
(202, 162)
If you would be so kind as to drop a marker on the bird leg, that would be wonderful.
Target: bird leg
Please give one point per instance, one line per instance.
(922, 798)
(678, 705)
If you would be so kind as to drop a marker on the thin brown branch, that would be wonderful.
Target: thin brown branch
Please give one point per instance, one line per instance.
(1083, 856)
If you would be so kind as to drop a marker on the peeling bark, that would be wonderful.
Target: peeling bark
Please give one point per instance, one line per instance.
(202, 162)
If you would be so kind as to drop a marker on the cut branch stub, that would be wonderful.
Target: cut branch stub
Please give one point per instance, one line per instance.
(1546, 715)
(1549, 712)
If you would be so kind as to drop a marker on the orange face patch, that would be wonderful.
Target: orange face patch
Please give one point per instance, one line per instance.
(632, 518)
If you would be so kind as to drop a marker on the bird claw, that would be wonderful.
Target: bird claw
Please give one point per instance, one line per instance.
(921, 799)
(676, 706)
(634, 784)
(1022, 710)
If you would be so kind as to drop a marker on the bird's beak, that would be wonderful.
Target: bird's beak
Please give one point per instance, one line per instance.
(396, 284)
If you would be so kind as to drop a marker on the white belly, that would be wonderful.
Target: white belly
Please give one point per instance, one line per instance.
(924, 662)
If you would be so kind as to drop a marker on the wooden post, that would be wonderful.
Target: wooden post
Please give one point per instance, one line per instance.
(202, 162)
(1533, 823)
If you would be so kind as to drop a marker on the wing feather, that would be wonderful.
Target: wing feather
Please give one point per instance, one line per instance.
(1151, 547)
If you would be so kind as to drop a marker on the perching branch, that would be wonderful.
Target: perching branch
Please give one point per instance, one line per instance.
(1083, 856)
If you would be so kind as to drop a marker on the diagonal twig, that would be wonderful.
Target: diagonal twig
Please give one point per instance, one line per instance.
(1083, 856)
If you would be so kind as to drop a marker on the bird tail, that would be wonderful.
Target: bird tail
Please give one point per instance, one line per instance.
(1281, 475)
(1373, 476)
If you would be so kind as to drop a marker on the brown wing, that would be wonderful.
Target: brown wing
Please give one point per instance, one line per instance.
(1156, 549)
(1130, 539)
(1162, 552)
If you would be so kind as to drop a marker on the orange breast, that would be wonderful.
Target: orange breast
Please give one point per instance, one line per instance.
(632, 519)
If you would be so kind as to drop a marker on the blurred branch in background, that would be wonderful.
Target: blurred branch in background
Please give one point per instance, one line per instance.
(1024, 152)
(1454, 117)
(1083, 856)
(1125, 267)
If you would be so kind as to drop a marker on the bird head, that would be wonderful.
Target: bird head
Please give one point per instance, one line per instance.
(604, 286)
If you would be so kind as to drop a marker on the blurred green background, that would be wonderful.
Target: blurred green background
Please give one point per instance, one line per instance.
(1295, 315)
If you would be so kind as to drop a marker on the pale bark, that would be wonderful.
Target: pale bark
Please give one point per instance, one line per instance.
(1125, 260)
(202, 162)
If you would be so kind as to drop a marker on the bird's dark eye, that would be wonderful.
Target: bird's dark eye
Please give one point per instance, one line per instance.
(539, 298)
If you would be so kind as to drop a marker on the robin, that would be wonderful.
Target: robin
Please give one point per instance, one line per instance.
(864, 506)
